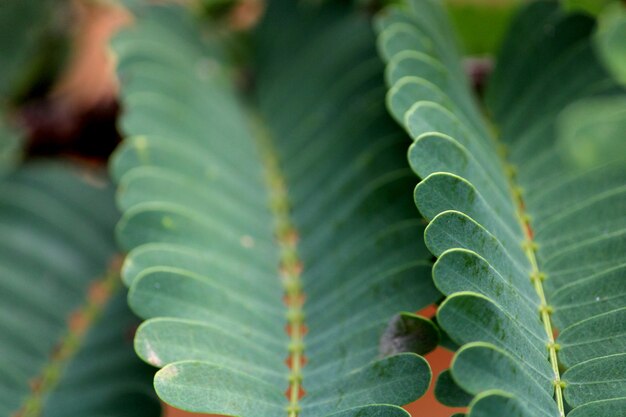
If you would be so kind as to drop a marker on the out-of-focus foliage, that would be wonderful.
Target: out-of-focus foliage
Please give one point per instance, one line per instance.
(33, 45)
(611, 40)
(481, 25)
(593, 7)
(10, 147)
(593, 131)
(65, 330)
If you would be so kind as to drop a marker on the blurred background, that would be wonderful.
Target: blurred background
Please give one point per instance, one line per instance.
(57, 76)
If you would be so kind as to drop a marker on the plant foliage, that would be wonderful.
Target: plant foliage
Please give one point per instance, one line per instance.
(9, 147)
(528, 229)
(233, 202)
(33, 41)
(65, 328)
(274, 247)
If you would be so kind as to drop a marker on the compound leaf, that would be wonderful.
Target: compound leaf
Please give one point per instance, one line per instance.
(526, 210)
(65, 328)
(233, 202)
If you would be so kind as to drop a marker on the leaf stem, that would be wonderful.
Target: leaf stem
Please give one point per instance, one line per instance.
(537, 277)
(290, 266)
(79, 323)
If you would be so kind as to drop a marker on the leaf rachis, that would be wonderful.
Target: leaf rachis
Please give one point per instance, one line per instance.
(537, 277)
(290, 267)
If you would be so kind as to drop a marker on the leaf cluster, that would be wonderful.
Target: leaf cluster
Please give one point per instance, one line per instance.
(287, 197)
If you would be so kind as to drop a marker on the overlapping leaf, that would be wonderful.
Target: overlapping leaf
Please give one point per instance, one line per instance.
(65, 329)
(525, 226)
(215, 194)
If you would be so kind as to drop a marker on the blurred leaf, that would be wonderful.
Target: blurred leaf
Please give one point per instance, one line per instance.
(65, 329)
(216, 8)
(10, 147)
(592, 132)
(481, 24)
(33, 45)
(611, 40)
(593, 7)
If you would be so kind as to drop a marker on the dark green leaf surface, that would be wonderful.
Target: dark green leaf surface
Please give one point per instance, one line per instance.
(480, 26)
(215, 193)
(33, 43)
(449, 393)
(610, 39)
(526, 216)
(9, 147)
(65, 328)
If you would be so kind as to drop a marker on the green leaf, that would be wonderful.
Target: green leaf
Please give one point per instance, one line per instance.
(587, 130)
(407, 332)
(600, 408)
(597, 379)
(593, 7)
(449, 393)
(66, 331)
(610, 42)
(445, 341)
(33, 41)
(373, 411)
(233, 202)
(496, 402)
(526, 210)
(10, 147)
(480, 25)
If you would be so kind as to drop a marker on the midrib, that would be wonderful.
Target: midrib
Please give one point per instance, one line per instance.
(290, 265)
(536, 276)
(99, 293)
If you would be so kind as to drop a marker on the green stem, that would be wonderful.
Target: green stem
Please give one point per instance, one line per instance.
(79, 323)
(290, 265)
(537, 277)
